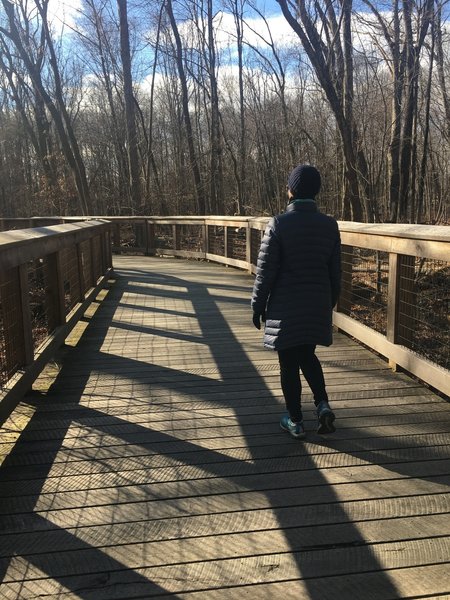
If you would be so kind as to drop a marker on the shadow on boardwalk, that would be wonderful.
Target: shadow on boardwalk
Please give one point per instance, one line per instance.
(210, 496)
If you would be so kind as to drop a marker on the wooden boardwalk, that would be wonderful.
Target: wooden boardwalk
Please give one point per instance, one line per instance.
(155, 466)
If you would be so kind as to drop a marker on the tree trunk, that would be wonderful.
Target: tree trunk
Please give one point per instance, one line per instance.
(187, 119)
(333, 65)
(63, 120)
(150, 153)
(40, 136)
(118, 141)
(216, 188)
(426, 133)
(130, 117)
(440, 60)
(412, 60)
(242, 173)
(58, 111)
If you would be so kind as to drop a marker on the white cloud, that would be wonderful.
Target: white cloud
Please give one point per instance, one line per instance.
(62, 13)
(256, 31)
(281, 32)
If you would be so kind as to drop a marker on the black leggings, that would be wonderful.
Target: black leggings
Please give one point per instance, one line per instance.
(291, 361)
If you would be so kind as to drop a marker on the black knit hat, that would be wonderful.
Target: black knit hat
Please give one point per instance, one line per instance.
(304, 181)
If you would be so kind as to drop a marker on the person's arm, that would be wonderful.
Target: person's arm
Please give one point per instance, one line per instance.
(266, 268)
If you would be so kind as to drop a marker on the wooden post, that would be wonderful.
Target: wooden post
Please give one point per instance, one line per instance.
(16, 314)
(81, 277)
(116, 237)
(344, 304)
(92, 261)
(248, 246)
(140, 234)
(176, 237)
(145, 234)
(150, 227)
(255, 243)
(103, 250)
(54, 291)
(406, 316)
(206, 238)
(108, 235)
(392, 301)
(225, 241)
(401, 306)
(203, 237)
(26, 315)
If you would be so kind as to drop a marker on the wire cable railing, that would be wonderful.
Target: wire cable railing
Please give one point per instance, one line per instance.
(395, 280)
(48, 277)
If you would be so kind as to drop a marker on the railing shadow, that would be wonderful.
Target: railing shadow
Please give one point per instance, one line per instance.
(253, 467)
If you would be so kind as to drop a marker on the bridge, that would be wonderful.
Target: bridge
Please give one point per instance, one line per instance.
(147, 460)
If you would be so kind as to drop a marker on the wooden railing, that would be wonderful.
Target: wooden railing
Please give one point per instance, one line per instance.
(396, 278)
(395, 285)
(48, 276)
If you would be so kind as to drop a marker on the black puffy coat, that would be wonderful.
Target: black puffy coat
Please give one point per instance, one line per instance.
(298, 277)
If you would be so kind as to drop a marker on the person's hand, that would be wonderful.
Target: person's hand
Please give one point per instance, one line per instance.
(257, 318)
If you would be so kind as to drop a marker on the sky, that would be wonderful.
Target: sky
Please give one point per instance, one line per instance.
(64, 11)
(63, 15)
(270, 6)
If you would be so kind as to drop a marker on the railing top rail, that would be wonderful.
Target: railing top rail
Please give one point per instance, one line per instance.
(413, 231)
(399, 230)
(418, 232)
(20, 245)
(33, 234)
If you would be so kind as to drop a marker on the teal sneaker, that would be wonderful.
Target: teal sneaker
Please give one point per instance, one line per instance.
(296, 430)
(325, 417)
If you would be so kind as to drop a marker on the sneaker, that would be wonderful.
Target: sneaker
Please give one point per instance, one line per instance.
(295, 429)
(325, 417)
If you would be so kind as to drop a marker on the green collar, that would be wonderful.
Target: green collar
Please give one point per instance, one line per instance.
(298, 201)
(302, 205)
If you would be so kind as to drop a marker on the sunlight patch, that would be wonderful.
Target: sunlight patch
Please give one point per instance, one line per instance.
(20, 569)
(159, 286)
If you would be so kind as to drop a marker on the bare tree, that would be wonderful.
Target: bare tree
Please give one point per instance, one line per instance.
(240, 165)
(330, 53)
(151, 164)
(32, 112)
(56, 107)
(440, 64)
(404, 44)
(97, 32)
(129, 101)
(416, 211)
(201, 63)
(363, 94)
(274, 65)
(198, 185)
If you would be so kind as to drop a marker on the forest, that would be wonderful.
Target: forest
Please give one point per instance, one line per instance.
(193, 107)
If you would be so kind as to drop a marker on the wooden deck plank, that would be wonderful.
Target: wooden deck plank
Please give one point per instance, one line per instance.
(34, 462)
(131, 406)
(90, 462)
(407, 583)
(327, 560)
(192, 497)
(107, 506)
(140, 526)
(201, 575)
(193, 417)
(154, 464)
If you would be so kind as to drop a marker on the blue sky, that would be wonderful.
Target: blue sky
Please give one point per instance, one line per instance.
(271, 6)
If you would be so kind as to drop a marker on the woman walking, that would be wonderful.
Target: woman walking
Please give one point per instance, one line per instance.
(296, 287)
